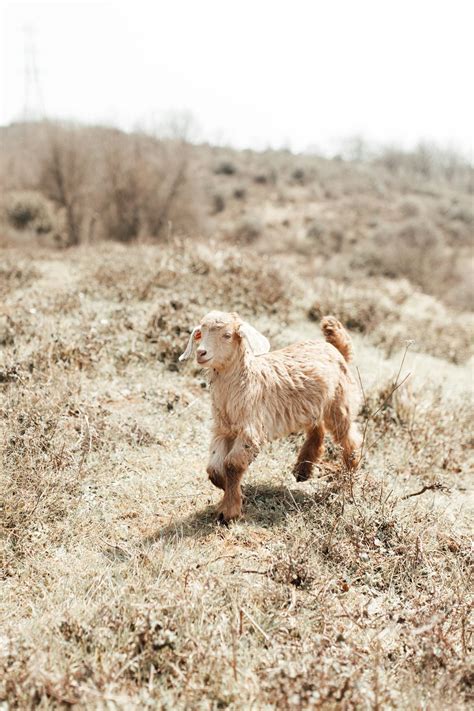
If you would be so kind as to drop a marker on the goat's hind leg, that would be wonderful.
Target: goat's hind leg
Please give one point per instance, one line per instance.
(351, 447)
(346, 433)
(310, 452)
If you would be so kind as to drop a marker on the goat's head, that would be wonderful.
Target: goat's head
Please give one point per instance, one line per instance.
(221, 338)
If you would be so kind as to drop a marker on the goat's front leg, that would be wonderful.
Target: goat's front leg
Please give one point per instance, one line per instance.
(242, 453)
(219, 449)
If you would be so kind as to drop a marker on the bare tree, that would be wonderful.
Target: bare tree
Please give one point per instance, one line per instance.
(63, 177)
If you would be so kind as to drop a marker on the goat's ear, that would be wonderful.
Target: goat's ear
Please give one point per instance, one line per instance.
(189, 347)
(256, 340)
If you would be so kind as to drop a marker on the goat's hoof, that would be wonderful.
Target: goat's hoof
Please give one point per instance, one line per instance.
(225, 518)
(302, 472)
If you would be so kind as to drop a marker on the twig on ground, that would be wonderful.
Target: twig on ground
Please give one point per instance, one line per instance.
(208, 562)
(429, 487)
(255, 624)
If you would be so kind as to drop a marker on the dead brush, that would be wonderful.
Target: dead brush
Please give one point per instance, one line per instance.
(435, 331)
(29, 210)
(194, 279)
(82, 355)
(142, 638)
(64, 302)
(141, 275)
(389, 312)
(169, 321)
(146, 646)
(146, 185)
(13, 329)
(290, 567)
(47, 438)
(386, 405)
(64, 178)
(438, 437)
(361, 308)
(136, 435)
(18, 327)
(23, 688)
(262, 288)
(434, 437)
(440, 639)
(10, 373)
(15, 275)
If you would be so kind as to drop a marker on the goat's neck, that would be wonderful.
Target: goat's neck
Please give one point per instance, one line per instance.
(230, 390)
(236, 374)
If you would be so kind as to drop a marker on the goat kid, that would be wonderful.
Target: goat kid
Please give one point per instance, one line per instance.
(258, 396)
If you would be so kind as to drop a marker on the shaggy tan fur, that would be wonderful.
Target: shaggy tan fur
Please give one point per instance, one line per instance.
(259, 396)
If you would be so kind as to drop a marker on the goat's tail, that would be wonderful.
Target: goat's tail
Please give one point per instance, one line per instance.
(335, 333)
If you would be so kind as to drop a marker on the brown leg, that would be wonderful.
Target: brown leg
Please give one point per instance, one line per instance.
(310, 452)
(216, 478)
(220, 447)
(345, 433)
(231, 505)
(351, 445)
(236, 463)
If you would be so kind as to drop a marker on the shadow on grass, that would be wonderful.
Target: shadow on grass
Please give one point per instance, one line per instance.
(264, 505)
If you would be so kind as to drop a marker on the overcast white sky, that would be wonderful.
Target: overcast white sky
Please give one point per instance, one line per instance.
(258, 73)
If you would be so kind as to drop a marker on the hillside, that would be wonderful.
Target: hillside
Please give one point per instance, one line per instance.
(117, 586)
(395, 214)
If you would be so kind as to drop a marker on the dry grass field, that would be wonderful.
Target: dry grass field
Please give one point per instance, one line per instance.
(117, 587)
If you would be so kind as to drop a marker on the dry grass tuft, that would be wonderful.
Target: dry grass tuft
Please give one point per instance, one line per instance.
(15, 275)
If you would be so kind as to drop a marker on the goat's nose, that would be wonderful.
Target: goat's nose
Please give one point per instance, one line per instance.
(201, 352)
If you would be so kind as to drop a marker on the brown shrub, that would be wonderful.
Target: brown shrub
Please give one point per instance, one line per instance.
(104, 183)
(218, 202)
(248, 230)
(29, 210)
(147, 188)
(436, 331)
(328, 240)
(64, 179)
(225, 168)
(414, 249)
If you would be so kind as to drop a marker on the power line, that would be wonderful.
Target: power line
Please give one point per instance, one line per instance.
(33, 104)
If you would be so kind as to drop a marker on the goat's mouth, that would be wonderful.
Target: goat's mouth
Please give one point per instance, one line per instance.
(203, 361)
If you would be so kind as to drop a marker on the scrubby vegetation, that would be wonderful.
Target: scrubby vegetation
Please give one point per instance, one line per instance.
(89, 184)
(117, 586)
(392, 214)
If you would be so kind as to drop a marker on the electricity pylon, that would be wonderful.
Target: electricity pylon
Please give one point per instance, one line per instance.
(33, 105)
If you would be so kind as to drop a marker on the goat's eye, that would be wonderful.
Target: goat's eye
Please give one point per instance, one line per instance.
(197, 335)
(227, 335)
